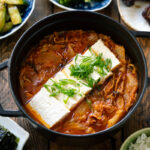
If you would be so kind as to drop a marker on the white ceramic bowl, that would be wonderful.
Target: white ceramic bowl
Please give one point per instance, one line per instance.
(17, 130)
(132, 16)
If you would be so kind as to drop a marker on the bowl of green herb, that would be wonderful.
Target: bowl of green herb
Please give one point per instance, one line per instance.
(88, 5)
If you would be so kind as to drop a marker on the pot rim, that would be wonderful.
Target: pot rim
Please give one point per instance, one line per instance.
(118, 124)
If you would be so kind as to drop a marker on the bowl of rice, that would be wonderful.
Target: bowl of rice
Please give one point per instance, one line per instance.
(139, 140)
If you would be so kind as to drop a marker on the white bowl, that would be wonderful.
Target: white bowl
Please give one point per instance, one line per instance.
(17, 130)
(132, 16)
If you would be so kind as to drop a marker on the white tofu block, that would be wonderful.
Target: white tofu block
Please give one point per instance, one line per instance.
(61, 97)
(60, 75)
(83, 89)
(87, 53)
(104, 78)
(49, 82)
(49, 108)
(99, 47)
(95, 75)
(72, 101)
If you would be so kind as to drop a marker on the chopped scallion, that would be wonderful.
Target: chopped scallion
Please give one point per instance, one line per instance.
(66, 100)
(89, 102)
(60, 87)
(86, 67)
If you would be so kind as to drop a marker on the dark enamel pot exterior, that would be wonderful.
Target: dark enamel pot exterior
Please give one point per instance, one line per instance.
(68, 21)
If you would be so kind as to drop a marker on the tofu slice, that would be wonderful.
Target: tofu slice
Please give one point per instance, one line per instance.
(50, 110)
(83, 88)
(99, 47)
(87, 53)
(72, 101)
(95, 75)
(104, 78)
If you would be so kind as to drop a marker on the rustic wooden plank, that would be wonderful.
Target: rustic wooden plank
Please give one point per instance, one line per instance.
(42, 9)
(57, 9)
(36, 140)
(114, 11)
(106, 144)
(140, 119)
(111, 10)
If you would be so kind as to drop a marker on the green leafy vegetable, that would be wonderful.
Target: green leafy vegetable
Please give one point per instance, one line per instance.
(108, 64)
(66, 100)
(70, 2)
(68, 81)
(47, 87)
(7, 139)
(89, 102)
(86, 67)
(59, 87)
(75, 2)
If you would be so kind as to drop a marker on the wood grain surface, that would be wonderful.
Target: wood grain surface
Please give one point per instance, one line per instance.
(139, 119)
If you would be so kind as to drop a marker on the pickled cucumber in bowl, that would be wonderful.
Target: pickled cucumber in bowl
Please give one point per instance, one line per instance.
(11, 12)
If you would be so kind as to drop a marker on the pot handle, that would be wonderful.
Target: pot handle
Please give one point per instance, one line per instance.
(148, 81)
(3, 112)
(140, 34)
(4, 65)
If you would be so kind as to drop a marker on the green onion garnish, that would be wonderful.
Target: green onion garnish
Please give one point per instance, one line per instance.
(66, 100)
(89, 102)
(60, 87)
(86, 67)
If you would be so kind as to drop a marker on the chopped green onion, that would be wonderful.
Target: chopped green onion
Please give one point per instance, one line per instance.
(89, 102)
(108, 64)
(66, 100)
(59, 87)
(76, 57)
(101, 71)
(47, 87)
(91, 82)
(86, 67)
(68, 81)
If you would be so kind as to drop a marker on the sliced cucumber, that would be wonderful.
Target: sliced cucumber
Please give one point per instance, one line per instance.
(14, 14)
(16, 2)
(7, 17)
(2, 15)
(7, 27)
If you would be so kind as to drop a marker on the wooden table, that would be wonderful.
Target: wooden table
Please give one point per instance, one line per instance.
(139, 119)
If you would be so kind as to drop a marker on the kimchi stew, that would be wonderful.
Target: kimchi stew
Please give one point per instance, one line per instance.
(78, 82)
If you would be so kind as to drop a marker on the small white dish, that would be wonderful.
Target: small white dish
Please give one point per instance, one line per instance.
(17, 130)
(132, 16)
(95, 6)
(25, 17)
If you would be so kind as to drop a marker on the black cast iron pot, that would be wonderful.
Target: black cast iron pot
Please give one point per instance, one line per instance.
(69, 21)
